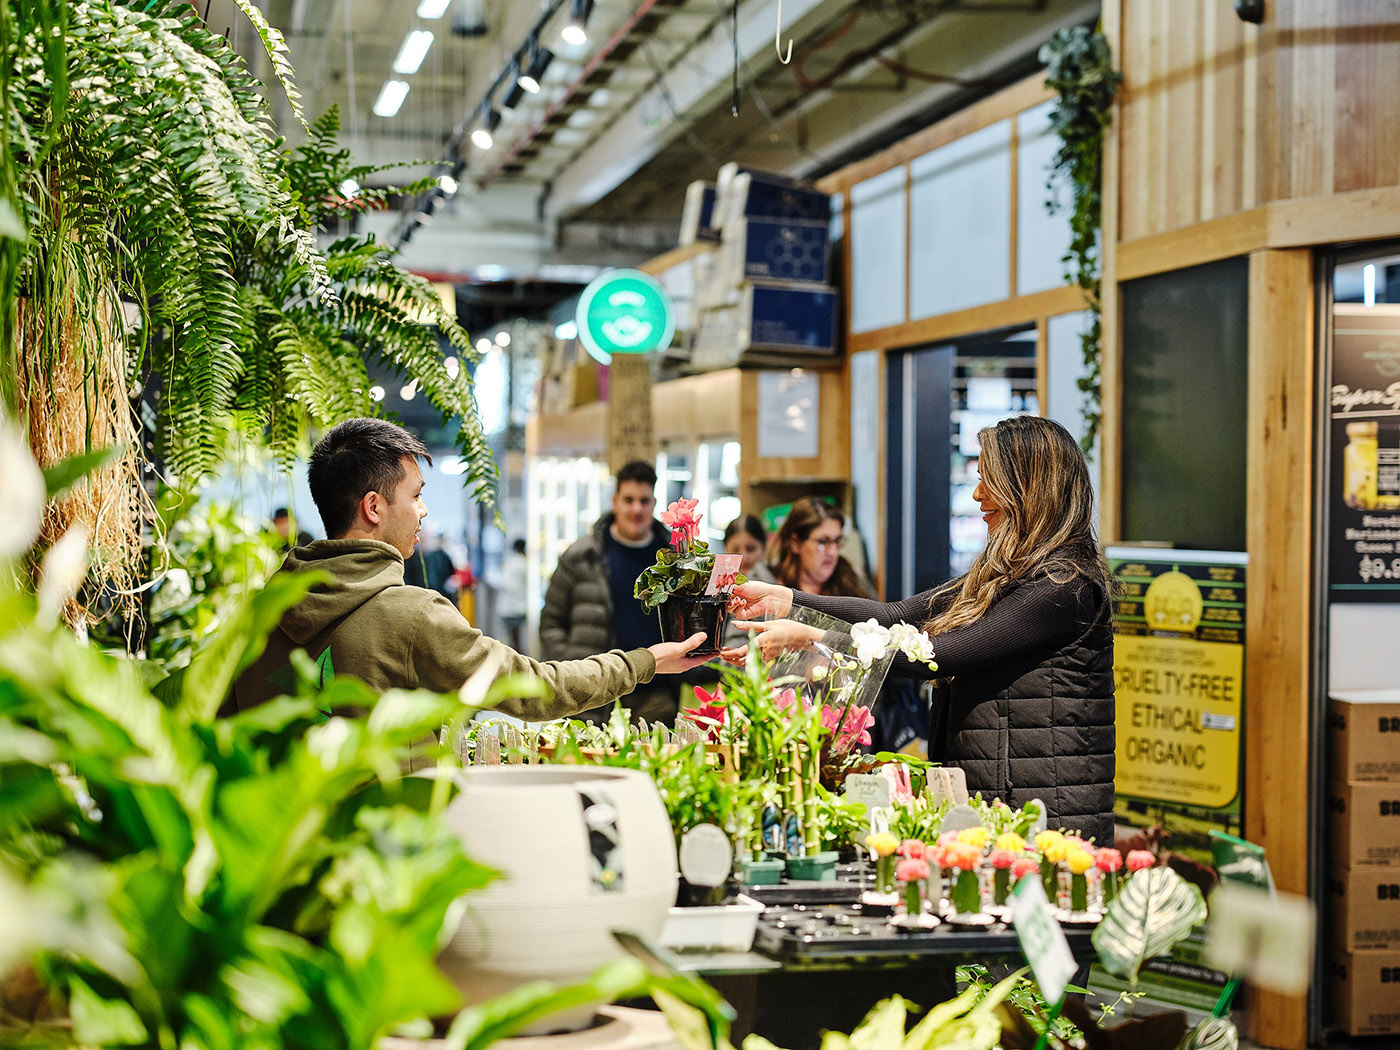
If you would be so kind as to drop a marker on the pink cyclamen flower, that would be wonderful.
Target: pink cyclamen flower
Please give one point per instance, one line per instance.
(684, 523)
(1139, 859)
(911, 869)
(855, 730)
(1108, 859)
(1003, 858)
(912, 848)
(937, 855)
(947, 838)
(1024, 866)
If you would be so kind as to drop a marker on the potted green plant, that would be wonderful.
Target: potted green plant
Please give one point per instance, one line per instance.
(682, 586)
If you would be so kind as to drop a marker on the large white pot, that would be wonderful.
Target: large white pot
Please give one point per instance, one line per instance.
(552, 913)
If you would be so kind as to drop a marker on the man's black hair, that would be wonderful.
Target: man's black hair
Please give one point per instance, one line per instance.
(280, 512)
(519, 546)
(637, 470)
(354, 457)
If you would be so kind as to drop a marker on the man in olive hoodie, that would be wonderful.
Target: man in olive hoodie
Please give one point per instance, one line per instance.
(364, 621)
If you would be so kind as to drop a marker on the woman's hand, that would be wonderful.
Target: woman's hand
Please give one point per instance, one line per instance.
(755, 600)
(674, 657)
(773, 637)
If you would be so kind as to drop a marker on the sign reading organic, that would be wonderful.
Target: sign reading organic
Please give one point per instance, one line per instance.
(1178, 662)
(1364, 510)
(1179, 675)
(624, 312)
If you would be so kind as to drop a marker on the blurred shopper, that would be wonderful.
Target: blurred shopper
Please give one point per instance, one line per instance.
(746, 537)
(362, 620)
(807, 553)
(511, 603)
(282, 525)
(1023, 640)
(590, 606)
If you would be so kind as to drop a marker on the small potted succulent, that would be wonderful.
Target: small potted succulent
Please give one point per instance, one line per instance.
(683, 587)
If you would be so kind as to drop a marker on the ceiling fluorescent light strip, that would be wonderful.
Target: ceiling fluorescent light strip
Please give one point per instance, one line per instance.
(414, 50)
(391, 97)
(433, 8)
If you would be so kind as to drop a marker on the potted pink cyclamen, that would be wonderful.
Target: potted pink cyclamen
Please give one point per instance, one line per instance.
(678, 586)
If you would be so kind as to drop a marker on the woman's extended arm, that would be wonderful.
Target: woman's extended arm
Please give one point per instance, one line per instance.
(1035, 614)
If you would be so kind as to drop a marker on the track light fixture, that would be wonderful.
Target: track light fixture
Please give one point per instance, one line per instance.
(483, 137)
(517, 88)
(576, 32)
(540, 58)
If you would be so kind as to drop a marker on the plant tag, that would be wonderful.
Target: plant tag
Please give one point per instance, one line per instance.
(946, 784)
(1266, 937)
(706, 856)
(960, 818)
(722, 576)
(1041, 939)
(872, 789)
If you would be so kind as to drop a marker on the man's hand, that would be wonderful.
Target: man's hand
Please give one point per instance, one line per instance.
(674, 657)
(773, 637)
(754, 600)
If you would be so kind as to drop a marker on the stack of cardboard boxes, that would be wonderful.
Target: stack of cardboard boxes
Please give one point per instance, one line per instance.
(762, 293)
(1363, 873)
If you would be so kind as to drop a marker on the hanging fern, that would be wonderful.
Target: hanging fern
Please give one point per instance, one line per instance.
(304, 362)
(1079, 68)
(140, 176)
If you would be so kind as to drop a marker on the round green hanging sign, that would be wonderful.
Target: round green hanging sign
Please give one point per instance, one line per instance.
(624, 312)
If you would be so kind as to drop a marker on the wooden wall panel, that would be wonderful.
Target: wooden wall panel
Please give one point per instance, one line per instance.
(1278, 619)
(1218, 116)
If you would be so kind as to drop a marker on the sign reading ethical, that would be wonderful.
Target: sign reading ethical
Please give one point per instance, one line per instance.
(1179, 675)
(624, 312)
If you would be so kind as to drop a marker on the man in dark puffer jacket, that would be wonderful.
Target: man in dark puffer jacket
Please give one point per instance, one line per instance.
(589, 606)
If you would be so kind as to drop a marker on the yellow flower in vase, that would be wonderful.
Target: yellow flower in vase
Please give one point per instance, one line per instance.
(1009, 840)
(975, 837)
(1079, 862)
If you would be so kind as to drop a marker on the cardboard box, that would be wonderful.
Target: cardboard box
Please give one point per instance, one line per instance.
(765, 195)
(698, 215)
(1365, 992)
(772, 324)
(1363, 908)
(1364, 824)
(777, 249)
(1363, 729)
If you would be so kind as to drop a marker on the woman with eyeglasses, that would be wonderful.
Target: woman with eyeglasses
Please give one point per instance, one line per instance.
(1023, 640)
(807, 552)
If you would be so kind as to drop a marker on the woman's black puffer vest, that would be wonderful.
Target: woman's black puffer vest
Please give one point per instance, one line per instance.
(1041, 726)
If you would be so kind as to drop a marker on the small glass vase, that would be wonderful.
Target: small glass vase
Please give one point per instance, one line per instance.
(884, 874)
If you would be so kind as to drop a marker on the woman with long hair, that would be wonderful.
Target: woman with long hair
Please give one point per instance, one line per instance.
(807, 552)
(1023, 640)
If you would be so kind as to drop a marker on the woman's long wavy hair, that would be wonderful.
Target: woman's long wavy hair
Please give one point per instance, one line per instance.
(786, 563)
(1036, 473)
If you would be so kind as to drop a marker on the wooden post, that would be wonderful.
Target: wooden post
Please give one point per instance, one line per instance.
(631, 434)
(1279, 486)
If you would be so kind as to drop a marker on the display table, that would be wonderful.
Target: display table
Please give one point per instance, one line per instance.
(810, 971)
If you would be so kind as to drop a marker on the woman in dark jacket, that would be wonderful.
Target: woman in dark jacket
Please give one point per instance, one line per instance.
(1024, 638)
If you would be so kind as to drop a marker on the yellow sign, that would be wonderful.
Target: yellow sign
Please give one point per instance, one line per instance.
(1179, 714)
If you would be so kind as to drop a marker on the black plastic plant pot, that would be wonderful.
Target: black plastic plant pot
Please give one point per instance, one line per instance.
(683, 616)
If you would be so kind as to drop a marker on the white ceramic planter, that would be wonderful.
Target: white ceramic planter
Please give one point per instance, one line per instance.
(552, 914)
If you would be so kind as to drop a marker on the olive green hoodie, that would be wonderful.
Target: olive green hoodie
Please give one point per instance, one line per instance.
(364, 621)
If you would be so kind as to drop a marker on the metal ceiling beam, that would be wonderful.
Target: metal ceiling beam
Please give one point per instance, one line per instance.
(628, 144)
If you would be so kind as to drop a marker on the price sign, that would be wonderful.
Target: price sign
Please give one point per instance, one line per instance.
(1041, 939)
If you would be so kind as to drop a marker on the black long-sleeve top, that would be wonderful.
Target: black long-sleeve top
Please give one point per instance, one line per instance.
(1036, 614)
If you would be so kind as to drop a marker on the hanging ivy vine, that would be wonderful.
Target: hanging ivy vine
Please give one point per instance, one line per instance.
(1079, 68)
